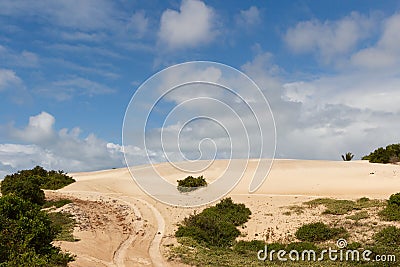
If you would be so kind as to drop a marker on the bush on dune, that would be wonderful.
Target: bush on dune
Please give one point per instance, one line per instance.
(28, 184)
(25, 187)
(318, 232)
(191, 183)
(390, 154)
(215, 226)
(45, 179)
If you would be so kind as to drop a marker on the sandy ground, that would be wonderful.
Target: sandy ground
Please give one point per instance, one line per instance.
(119, 225)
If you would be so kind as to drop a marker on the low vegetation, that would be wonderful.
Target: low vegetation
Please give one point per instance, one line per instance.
(390, 154)
(52, 180)
(392, 210)
(27, 231)
(56, 203)
(191, 183)
(382, 239)
(215, 226)
(340, 207)
(318, 232)
(26, 234)
(358, 216)
(64, 224)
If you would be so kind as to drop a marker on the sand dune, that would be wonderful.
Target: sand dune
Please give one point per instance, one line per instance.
(152, 223)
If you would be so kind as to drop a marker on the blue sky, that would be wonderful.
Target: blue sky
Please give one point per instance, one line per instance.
(68, 69)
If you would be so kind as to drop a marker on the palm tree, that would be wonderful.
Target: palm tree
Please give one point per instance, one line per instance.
(349, 156)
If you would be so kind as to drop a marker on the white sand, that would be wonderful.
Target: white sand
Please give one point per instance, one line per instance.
(290, 182)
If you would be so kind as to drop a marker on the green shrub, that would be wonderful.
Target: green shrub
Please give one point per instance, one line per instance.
(317, 232)
(390, 213)
(394, 199)
(26, 235)
(392, 210)
(390, 154)
(45, 179)
(191, 183)
(215, 226)
(389, 236)
(25, 187)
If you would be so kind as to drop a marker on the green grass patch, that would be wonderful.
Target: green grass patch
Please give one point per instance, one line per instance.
(64, 224)
(341, 207)
(56, 203)
(191, 183)
(243, 253)
(358, 216)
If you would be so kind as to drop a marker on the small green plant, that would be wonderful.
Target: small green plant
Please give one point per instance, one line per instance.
(348, 156)
(318, 232)
(215, 226)
(392, 210)
(191, 183)
(389, 236)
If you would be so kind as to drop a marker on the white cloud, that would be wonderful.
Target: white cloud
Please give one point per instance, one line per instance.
(324, 117)
(386, 52)
(39, 143)
(329, 39)
(9, 79)
(82, 15)
(191, 26)
(249, 17)
(76, 86)
(38, 130)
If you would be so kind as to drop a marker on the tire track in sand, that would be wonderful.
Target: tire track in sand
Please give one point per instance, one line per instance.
(119, 255)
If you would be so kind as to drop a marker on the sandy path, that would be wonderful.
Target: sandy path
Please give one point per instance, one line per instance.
(135, 241)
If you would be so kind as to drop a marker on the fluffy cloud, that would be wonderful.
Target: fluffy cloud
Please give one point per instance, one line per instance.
(40, 144)
(191, 26)
(249, 17)
(385, 53)
(324, 117)
(329, 39)
(9, 79)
